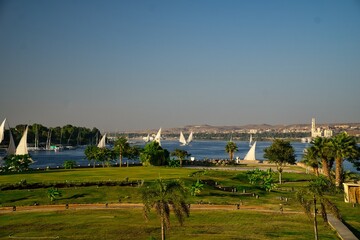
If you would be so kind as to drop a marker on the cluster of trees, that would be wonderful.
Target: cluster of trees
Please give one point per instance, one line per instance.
(324, 152)
(66, 135)
(152, 154)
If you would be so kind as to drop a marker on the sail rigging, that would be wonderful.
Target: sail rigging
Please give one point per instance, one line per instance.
(22, 147)
(102, 142)
(251, 153)
(11, 148)
(158, 137)
(147, 138)
(250, 141)
(190, 138)
(2, 130)
(182, 139)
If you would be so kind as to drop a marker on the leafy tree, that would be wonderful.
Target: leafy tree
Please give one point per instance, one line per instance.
(231, 148)
(311, 159)
(53, 193)
(180, 154)
(121, 147)
(17, 163)
(154, 154)
(132, 153)
(261, 178)
(69, 164)
(321, 149)
(105, 155)
(161, 195)
(315, 193)
(343, 147)
(281, 153)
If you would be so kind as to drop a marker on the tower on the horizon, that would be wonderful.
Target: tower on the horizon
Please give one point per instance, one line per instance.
(318, 132)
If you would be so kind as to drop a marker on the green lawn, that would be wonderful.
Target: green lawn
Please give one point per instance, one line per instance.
(130, 224)
(245, 194)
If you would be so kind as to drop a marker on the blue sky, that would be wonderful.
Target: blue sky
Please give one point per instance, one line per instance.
(129, 65)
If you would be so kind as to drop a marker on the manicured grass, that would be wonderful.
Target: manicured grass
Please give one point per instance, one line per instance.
(221, 194)
(130, 224)
(98, 174)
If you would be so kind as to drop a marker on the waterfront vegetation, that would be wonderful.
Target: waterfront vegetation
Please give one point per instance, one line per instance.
(220, 187)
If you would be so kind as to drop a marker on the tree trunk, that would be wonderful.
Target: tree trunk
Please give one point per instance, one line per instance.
(162, 229)
(280, 177)
(316, 171)
(338, 171)
(325, 167)
(94, 164)
(315, 220)
(120, 159)
(180, 162)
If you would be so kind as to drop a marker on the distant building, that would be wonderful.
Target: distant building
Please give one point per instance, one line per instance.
(318, 132)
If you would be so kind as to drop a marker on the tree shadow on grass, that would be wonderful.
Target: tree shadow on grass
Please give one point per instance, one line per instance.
(19, 199)
(76, 196)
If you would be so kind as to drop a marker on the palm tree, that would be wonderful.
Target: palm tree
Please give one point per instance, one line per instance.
(322, 150)
(313, 194)
(310, 159)
(343, 147)
(91, 153)
(231, 148)
(161, 195)
(121, 145)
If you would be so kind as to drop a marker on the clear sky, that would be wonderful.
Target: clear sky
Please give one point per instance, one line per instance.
(137, 65)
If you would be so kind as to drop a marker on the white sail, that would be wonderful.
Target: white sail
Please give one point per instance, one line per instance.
(22, 147)
(190, 138)
(250, 141)
(2, 130)
(146, 139)
(102, 142)
(11, 148)
(182, 139)
(251, 153)
(158, 137)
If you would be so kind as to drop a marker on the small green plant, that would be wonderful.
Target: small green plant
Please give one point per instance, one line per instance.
(196, 188)
(53, 193)
(263, 179)
(69, 164)
(174, 163)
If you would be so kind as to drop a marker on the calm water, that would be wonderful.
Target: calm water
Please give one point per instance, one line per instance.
(198, 149)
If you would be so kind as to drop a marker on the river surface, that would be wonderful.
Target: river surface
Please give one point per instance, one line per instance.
(199, 150)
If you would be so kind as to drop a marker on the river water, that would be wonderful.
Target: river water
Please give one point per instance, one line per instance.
(199, 150)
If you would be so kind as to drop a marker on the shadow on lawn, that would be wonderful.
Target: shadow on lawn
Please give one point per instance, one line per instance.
(76, 196)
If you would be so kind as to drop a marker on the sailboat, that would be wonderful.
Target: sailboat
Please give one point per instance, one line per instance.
(190, 138)
(251, 153)
(48, 141)
(147, 138)
(250, 141)
(22, 147)
(102, 143)
(183, 141)
(158, 137)
(2, 130)
(11, 148)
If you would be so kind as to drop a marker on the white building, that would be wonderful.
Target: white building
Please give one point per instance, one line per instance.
(318, 132)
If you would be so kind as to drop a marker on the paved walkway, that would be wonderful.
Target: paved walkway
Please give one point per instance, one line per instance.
(343, 232)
